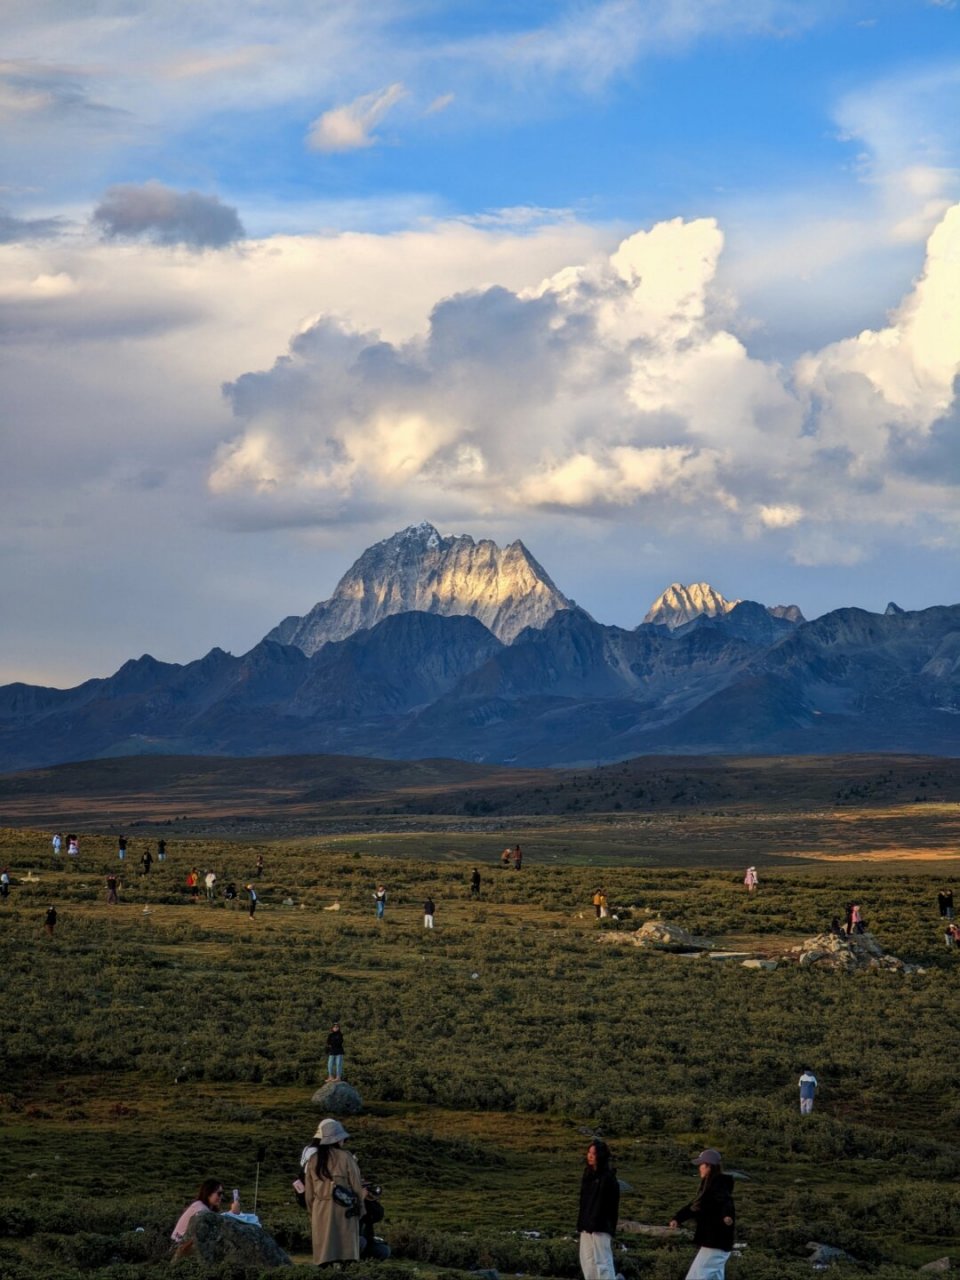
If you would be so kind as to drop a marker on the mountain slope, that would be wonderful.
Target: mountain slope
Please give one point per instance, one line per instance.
(419, 570)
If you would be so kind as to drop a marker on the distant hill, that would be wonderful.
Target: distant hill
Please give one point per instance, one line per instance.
(495, 665)
(295, 793)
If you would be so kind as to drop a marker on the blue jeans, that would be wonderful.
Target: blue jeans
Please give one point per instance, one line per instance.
(380, 909)
(335, 1066)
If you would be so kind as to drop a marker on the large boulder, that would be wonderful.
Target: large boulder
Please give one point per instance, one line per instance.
(216, 1237)
(657, 934)
(859, 952)
(338, 1098)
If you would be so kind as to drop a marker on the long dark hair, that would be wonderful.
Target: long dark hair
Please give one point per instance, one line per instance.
(207, 1189)
(604, 1156)
(323, 1160)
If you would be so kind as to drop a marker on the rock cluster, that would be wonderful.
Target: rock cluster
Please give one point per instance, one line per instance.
(658, 933)
(855, 954)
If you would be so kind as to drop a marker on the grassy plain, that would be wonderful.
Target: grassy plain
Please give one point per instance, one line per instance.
(142, 1051)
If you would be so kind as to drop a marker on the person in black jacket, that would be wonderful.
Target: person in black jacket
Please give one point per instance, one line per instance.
(599, 1210)
(713, 1211)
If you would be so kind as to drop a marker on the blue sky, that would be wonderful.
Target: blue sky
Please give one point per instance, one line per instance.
(390, 231)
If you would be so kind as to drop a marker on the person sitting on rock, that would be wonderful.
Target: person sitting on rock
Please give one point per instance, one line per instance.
(208, 1200)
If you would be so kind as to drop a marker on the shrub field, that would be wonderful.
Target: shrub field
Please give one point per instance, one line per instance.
(153, 1043)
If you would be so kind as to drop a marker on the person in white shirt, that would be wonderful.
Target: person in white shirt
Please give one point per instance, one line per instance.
(808, 1090)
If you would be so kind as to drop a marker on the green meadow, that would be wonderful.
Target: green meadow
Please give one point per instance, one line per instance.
(151, 1044)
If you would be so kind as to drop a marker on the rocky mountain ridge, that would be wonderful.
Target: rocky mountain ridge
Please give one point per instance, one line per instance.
(419, 570)
(554, 687)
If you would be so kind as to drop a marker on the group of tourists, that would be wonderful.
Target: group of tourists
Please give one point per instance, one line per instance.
(514, 855)
(344, 1208)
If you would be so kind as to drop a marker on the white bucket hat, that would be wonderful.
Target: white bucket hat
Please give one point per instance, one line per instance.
(329, 1132)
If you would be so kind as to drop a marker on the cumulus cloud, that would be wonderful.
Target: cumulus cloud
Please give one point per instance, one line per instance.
(618, 385)
(156, 212)
(350, 127)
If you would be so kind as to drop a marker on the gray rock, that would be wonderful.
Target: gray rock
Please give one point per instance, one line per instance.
(756, 963)
(215, 1237)
(938, 1267)
(486, 1273)
(338, 1098)
(859, 952)
(824, 1255)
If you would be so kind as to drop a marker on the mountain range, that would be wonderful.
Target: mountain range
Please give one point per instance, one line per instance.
(442, 646)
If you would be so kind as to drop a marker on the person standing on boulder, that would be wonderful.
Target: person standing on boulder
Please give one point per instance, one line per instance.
(335, 1053)
(808, 1091)
(599, 1212)
(713, 1212)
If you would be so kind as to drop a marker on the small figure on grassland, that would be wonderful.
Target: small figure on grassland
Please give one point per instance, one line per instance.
(57, 843)
(599, 1212)
(475, 884)
(597, 901)
(335, 1053)
(50, 920)
(146, 861)
(517, 858)
(113, 884)
(380, 898)
(945, 903)
(122, 847)
(713, 1211)
(252, 911)
(750, 879)
(210, 880)
(161, 850)
(506, 856)
(5, 883)
(259, 864)
(429, 908)
(808, 1091)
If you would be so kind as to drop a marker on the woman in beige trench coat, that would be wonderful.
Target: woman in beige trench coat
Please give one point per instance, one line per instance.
(336, 1238)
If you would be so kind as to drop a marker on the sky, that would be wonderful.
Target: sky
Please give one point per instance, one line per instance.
(667, 289)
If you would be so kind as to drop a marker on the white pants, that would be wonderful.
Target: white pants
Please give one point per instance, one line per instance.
(708, 1265)
(596, 1256)
(806, 1106)
(428, 922)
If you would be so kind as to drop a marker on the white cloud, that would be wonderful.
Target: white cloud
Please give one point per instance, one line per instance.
(350, 127)
(613, 386)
